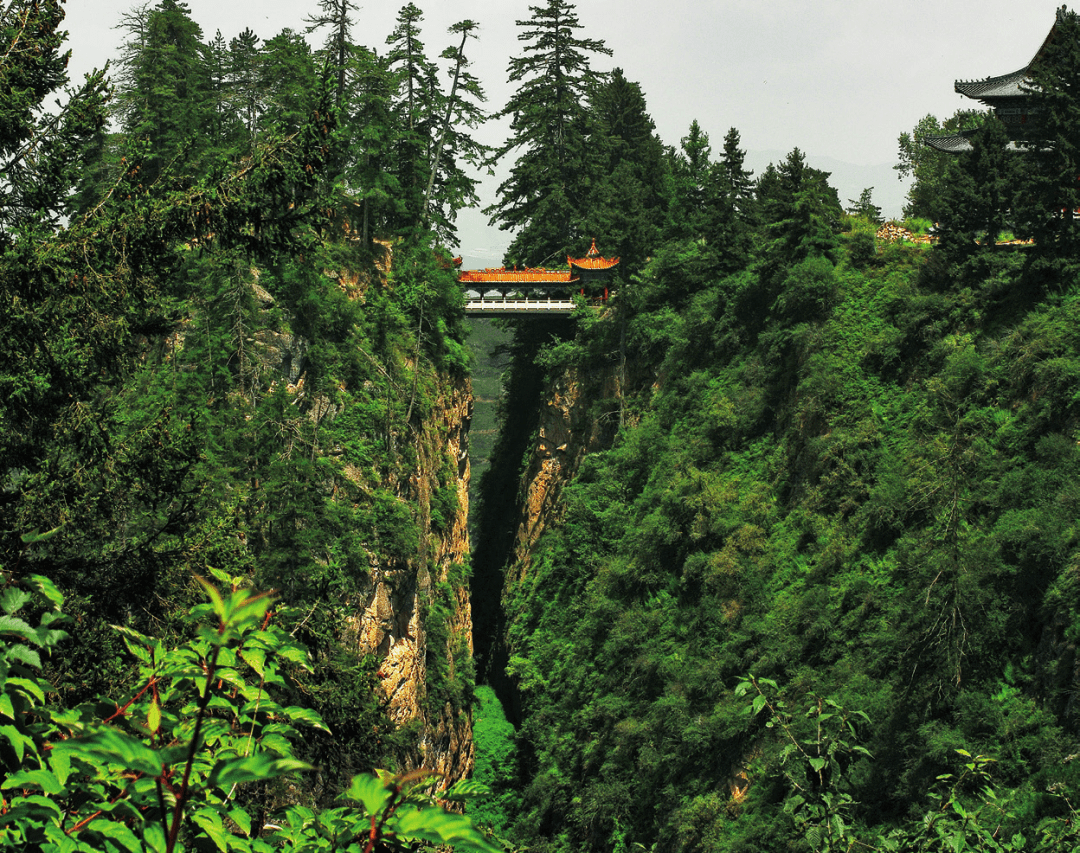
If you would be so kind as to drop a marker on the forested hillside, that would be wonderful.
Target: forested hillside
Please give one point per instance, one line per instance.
(794, 559)
(232, 371)
(777, 549)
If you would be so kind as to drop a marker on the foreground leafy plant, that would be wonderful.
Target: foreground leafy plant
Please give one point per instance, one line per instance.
(177, 762)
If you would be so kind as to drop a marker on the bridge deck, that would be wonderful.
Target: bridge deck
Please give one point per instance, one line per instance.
(518, 306)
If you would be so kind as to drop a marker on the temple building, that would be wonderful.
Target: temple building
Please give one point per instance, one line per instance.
(1008, 95)
(592, 271)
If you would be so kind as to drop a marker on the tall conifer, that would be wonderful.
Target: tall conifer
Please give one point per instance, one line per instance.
(545, 198)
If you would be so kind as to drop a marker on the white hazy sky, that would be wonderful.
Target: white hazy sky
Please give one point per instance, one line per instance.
(840, 79)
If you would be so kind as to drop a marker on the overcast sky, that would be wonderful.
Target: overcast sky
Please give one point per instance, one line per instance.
(840, 79)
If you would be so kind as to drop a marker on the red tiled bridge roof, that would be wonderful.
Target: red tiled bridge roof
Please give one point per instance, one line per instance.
(539, 275)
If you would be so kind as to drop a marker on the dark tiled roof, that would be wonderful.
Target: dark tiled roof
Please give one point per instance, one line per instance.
(952, 143)
(1015, 85)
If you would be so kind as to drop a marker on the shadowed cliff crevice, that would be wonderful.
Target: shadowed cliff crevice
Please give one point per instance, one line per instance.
(499, 508)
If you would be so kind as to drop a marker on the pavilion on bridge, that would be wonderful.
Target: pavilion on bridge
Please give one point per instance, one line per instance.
(592, 269)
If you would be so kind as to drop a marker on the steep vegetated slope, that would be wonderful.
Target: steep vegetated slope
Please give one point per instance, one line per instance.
(212, 369)
(794, 559)
(858, 480)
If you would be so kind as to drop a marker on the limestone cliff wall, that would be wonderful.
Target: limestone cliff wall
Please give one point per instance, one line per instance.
(391, 621)
(568, 429)
(390, 614)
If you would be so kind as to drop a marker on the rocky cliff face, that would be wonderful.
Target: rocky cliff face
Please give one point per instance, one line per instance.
(392, 622)
(413, 613)
(568, 429)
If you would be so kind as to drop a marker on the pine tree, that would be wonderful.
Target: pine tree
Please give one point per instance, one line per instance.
(545, 199)
(171, 104)
(977, 201)
(287, 82)
(802, 212)
(738, 181)
(695, 192)
(337, 15)
(244, 78)
(372, 129)
(449, 188)
(41, 155)
(629, 204)
(415, 109)
(1052, 198)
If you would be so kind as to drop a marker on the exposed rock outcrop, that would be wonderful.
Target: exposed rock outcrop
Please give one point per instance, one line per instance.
(399, 597)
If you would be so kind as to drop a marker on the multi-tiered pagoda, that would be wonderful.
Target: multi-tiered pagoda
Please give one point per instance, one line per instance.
(1008, 95)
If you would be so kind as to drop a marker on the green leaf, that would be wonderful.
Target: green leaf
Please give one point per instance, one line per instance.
(111, 746)
(16, 626)
(153, 716)
(47, 588)
(34, 803)
(368, 790)
(13, 599)
(33, 536)
(242, 819)
(466, 789)
(256, 660)
(19, 741)
(233, 771)
(31, 688)
(25, 655)
(6, 708)
(42, 779)
(308, 716)
(440, 827)
(217, 602)
(60, 762)
(758, 704)
(118, 832)
(61, 842)
(210, 821)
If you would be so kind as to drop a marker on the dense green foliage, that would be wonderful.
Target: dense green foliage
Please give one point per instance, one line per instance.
(818, 591)
(205, 371)
(197, 755)
(815, 588)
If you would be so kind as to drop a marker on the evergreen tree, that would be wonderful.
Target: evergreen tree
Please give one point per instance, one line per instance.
(629, 205)
(41, 156)
(695, 188)
(977, 201)
(801, 212)
(222, 127)
(738, 183)
(414, 110)
(287, 82)
(244, 82)
(545, 198)
(171, 104)
(733, 225)
(337, 15)
(864, 206)
(1052, 199)
(449, 188)
(372, 130)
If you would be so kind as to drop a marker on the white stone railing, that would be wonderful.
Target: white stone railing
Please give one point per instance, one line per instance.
(519, 306)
